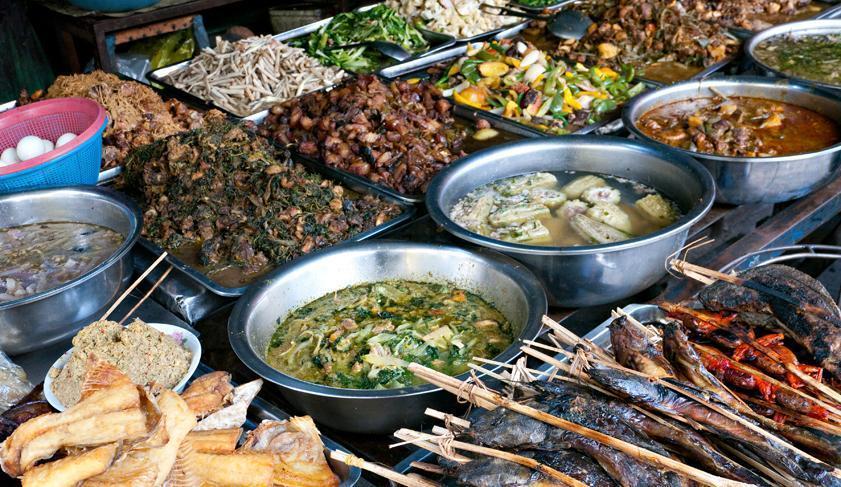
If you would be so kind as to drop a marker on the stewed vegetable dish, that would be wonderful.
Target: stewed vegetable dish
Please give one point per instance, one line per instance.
(740, 126)
(565, 210)
(39, 257)
(812, 57)
(364, 337)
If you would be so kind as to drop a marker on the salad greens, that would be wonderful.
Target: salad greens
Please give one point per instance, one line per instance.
(380, 23)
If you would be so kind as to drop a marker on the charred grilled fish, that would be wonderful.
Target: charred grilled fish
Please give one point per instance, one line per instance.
(633, 350)
(820, 336)
(492, 472)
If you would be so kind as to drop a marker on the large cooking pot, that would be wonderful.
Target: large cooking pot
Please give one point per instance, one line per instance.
(507, 285)
(45, 318)
(593, 274)
(742, 180)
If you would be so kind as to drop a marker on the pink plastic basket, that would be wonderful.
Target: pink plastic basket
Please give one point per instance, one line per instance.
(76, 162)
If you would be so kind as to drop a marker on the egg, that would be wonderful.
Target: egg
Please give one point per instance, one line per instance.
(65, 138)
(9, 157)
(29, 147)
(48, 146)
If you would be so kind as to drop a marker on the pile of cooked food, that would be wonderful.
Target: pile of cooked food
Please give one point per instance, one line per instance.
(363, 337)
(121, 433)
(234, 206)
(814, 57)
(250, 75)
(398, 134)
(380, 23)
(146, 355)
(522, 83)
(41, 256)
(461, 19)
(136, 114)
(743, 389)
(740, 126)
(754, 15)
(538, 209)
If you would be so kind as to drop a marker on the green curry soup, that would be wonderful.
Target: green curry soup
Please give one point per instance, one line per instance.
(364, 337)
(812, 57)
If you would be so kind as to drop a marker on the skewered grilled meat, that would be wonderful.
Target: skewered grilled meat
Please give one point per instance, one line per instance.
(821, 336)
(494, 472)
(634, 351)
(658, 397)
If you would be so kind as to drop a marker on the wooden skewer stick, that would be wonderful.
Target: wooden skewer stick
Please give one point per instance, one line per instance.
(428, 467)
(401, 479)
(483, 397)
(461, 423)
(146, 296)
(504, 455)
(778, 478)
(431, 446)
(801, 419)
(571, 339)
(133, 285)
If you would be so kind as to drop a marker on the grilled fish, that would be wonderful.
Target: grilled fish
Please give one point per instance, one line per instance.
(633, 350)
(493, 472)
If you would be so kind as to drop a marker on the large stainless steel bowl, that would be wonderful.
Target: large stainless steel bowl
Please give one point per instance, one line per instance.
(42, 319)
(741, 180)
(507, 285)
(593, 274)
(794, 29)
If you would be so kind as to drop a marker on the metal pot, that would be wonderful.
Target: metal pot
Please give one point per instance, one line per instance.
(593, 274)
(510, 287)
(45, 318)
(742, 180)
(795, 29)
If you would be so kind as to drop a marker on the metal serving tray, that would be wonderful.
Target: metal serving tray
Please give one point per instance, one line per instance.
(260, 410)
(340, 177)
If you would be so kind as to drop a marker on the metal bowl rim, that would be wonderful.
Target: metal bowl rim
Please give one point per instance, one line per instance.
(690, 218)
(778, 83)
(792, 28)
(130, 210)
(537, 305)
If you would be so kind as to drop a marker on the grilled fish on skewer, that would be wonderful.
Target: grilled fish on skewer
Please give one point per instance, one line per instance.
(633, 350)
(820, 335)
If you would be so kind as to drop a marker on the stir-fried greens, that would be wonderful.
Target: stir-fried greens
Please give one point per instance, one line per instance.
(364, 337)
(812, 57)
(377, 24)
(520, 82)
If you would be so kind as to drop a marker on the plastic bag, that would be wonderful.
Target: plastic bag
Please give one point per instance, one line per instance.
(167, 49)
(14, 384)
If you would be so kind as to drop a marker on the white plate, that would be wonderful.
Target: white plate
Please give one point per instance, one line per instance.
(190, 342)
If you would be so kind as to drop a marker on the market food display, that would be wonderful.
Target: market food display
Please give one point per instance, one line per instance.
(249, 75)
(144, 354)
(811, 57)
(740, 126)
(137, 115)
(522, 83)
(379, 23)
(563, 210)
(459, 19)
(363, 337)
(41, 256)
(234, 206)
(397, 134)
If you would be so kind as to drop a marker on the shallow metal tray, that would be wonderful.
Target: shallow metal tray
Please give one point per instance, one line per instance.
(260, 410)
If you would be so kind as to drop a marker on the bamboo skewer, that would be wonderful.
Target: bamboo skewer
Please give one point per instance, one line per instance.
(133, 285)
(428, 467)
(490, 400)
(409, 435)
(448, 418)
(148, 293)
(401, 479)
(801, 419)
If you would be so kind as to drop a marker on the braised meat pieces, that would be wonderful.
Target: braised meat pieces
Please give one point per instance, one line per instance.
(396, 134)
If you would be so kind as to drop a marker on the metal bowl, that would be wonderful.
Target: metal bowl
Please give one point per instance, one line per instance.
(45, 318)
(593, 274)
(507, 285)
(742, 180)
(796, 29)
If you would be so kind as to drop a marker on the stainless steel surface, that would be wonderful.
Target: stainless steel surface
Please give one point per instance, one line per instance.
(772, 255)
(794, 29)
(594, 274)
(45, 318)
(743, 180)
(503, 282)
(389, 49)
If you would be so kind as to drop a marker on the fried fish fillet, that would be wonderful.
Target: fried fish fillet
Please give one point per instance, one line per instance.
(246, 469)
(233, 416)
(209, 393)
(69, 471)
(215, 441)
(298, 450)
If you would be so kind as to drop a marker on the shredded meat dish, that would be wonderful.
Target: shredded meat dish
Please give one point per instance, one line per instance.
(241, 202)
(396, 134)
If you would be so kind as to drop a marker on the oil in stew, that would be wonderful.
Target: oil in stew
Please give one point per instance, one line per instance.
(364, 337)
(811, 57)
(740, 126)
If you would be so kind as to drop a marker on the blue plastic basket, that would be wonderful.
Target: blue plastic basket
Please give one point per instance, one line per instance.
(75, 163)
